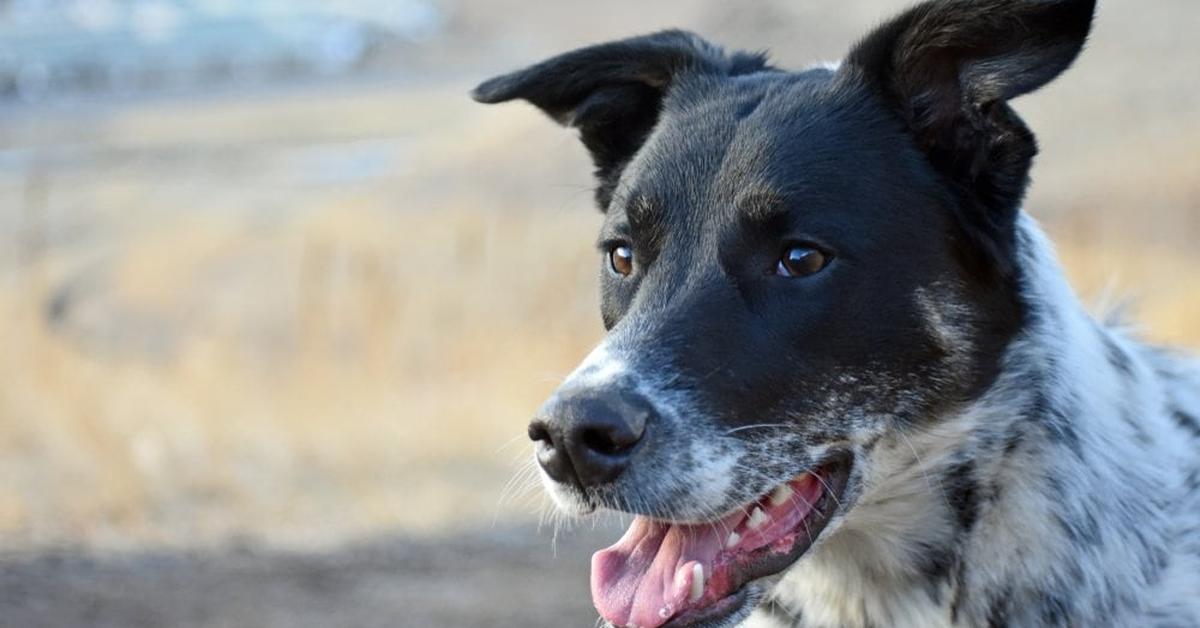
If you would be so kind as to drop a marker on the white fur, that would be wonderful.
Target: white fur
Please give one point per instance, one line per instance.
(601, 367)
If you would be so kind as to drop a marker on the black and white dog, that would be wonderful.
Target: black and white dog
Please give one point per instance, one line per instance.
(845, 382)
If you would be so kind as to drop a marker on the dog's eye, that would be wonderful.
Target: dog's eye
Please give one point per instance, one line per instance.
(800, 261)
(620, 260)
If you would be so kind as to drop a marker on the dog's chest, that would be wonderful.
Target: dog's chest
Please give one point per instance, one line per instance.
(811, 600)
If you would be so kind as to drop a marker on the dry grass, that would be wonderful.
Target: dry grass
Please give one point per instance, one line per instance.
(350, 370)
(347, 365)
(327, 315)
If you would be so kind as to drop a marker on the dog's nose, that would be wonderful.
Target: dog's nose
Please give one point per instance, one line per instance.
(588, 437)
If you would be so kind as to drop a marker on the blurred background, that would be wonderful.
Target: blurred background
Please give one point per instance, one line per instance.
(276, 298)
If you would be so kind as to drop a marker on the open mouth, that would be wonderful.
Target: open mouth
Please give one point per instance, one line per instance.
(677, 575)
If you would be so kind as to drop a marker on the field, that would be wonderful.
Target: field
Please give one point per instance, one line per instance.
(302, 320)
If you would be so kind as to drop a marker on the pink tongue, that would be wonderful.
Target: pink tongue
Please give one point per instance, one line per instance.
(646, 577)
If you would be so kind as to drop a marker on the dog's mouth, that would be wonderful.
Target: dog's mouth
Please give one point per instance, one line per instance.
(677, 575)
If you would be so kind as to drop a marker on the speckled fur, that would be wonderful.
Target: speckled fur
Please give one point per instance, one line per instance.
(1067, 495)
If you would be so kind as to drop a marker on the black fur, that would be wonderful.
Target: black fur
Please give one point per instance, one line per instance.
(1187, 422)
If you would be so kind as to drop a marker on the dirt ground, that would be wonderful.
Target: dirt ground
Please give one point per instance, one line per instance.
(511, 577)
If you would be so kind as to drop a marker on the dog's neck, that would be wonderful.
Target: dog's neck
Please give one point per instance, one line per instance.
(1041, 500)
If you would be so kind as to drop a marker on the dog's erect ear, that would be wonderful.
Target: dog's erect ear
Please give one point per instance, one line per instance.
(612, 92)
(950, 66)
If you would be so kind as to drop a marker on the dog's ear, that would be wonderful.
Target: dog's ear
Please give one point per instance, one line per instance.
(950, 67)
(612, 92)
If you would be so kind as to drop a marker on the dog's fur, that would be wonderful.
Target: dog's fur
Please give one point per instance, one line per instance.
(1017, 463)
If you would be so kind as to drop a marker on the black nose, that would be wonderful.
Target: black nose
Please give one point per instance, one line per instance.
(588, 437)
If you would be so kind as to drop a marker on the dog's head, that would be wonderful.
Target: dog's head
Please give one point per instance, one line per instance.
(793, 265)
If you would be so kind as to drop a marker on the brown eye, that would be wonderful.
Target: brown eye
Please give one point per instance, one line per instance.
(800, 261)
(620, 259)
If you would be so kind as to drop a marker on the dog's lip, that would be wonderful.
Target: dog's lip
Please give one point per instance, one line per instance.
(716, 614)
(730, 572)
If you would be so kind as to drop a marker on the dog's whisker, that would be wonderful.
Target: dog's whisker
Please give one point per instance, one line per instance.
(929, 483)
(509, 442)
(743, 428)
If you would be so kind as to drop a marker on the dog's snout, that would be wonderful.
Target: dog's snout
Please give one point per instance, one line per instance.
(588, 437)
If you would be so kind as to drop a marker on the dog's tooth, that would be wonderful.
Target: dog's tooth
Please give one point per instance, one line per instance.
(781, 494)
(757, 518)
(697, 582)
(733, 539)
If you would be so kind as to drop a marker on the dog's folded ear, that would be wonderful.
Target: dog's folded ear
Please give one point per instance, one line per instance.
(949, 67)
(612, 92)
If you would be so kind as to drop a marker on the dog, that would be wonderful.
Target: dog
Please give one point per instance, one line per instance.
(845, 383)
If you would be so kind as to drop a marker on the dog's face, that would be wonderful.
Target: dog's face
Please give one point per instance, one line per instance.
(780, 282)
(792, 265)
